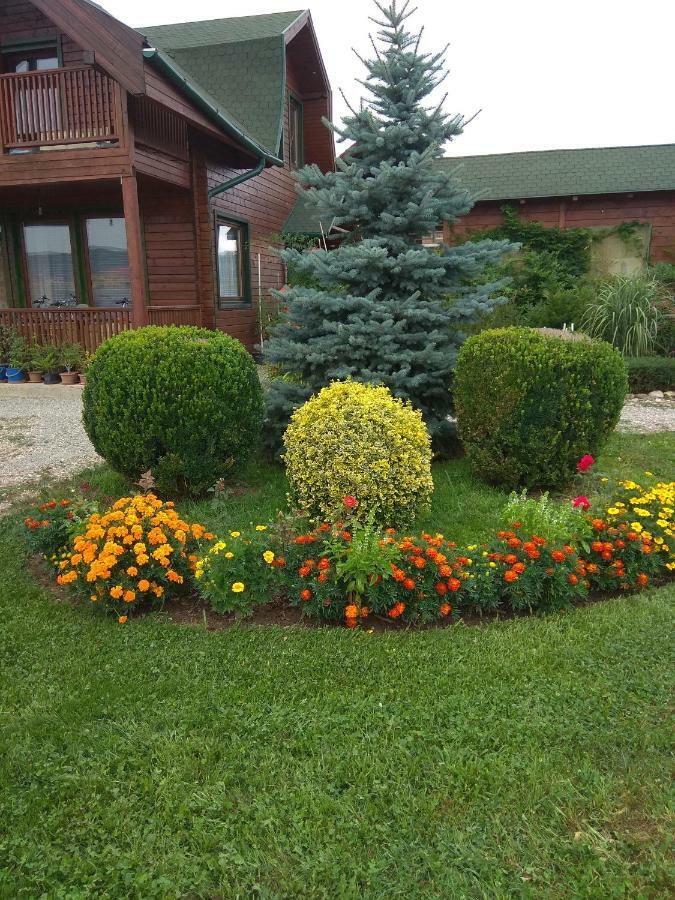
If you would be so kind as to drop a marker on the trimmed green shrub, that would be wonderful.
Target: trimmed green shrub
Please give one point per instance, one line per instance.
(184, 403)
(530, 405)
(355, 440)
(651, 373)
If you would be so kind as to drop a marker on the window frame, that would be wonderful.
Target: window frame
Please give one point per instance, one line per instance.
(244, 301)
(14, 252)
(294, 100)
(13, 48)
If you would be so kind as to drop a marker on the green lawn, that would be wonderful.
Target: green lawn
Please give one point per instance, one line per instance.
(525, 758)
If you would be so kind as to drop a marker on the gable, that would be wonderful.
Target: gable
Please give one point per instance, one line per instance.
(116, 48)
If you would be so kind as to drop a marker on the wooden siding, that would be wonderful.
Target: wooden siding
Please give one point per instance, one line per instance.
(20, 20)
(656, 208)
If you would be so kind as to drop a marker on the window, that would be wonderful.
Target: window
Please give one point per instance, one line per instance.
(295, 143)
(108, 261)
(49, 263)
(232, 241)
(30, 60)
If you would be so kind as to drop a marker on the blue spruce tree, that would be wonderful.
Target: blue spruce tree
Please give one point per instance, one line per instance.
(383, 308)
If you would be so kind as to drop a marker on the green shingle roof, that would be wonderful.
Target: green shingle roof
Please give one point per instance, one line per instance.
(565, 173)
(305, 218)
(239, 62)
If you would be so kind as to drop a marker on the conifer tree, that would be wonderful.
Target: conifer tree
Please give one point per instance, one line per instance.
(381, 307)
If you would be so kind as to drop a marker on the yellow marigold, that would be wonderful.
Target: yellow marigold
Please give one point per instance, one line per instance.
(142, 559)
(132, 571)
(261, 527)
(268, 556)
(129, 596)
(143, 585)
(116, 592)
(238, 587)
(157, 590)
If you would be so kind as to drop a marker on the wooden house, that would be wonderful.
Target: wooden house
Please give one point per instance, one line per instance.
(144, 173)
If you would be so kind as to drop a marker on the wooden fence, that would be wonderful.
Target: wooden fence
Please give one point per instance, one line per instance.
(89, 326)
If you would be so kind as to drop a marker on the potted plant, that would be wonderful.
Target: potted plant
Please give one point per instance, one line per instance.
(50, 364)
(19, 359)
(35, 364)
(71, 360)
(6, 337)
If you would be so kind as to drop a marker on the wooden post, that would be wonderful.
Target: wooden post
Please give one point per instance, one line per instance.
(132, 219)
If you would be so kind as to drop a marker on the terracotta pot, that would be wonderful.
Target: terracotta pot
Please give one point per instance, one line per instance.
(70, 377)
(35, 377)
(83, 378)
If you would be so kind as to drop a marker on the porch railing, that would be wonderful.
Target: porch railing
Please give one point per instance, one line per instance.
(59, 106)
(88, 327)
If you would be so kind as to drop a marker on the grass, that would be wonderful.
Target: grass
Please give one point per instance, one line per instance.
(527, 758)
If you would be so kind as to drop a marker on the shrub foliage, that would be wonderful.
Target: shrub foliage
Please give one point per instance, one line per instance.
(529, 405)
(651, 373)
(356, 439)
(185, 403)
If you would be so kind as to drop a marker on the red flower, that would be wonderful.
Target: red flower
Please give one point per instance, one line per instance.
(349, 501)
(585, 463)
(581, 501)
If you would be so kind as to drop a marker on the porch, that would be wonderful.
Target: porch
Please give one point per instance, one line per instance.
(81, 263)
(89, 327)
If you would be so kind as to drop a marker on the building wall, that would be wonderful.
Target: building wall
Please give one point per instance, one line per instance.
(264, 203)
(656, 208)
(20, 20)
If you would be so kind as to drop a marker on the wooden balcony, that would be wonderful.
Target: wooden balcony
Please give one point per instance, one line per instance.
(58, 108)
(89, 326)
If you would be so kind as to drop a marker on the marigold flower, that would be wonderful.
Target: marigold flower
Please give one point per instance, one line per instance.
(268, 556)
(143, 585)
(122, 620)
(129, 596)
(454, 584)
(519, 568)
(349, 501)
(558, 556)
(306, 594)
(409, 584)
(441, 588)
(116, 592)
(238, 587)
(572, 578)
(510, 576)
(351, 611)
(132, 571)
(445, 609)
(364, 612)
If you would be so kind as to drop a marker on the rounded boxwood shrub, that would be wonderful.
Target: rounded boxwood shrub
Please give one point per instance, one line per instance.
(530, 405)
(184, 403)
(354, 439)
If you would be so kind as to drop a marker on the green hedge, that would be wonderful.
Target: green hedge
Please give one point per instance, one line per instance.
(530, 405)
(185, 403)
(651, 373)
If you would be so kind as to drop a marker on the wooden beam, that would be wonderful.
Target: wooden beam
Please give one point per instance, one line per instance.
(132, 219)
(117, 47)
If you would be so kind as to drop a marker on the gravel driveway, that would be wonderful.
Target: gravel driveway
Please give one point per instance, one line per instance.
(41, 431)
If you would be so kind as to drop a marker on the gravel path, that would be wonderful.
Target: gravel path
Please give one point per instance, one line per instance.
(647, 416)
(41, 431)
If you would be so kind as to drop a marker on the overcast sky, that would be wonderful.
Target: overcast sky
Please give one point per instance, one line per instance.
(581, 73)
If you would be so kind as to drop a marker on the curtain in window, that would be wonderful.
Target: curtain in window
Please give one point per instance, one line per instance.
(229, 278)
(49, 263)
(108, 262)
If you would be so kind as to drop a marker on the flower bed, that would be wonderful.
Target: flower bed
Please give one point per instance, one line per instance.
(141, 552)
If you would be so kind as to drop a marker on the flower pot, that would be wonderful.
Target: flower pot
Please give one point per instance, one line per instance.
(15, 376)
(52, 378)
(70, 377)
(35, 377)
(3, 373)
(83, 378)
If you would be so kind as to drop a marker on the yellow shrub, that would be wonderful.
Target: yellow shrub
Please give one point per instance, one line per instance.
(354, 439)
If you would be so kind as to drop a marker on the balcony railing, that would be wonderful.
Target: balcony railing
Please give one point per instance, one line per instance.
(56, 107)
